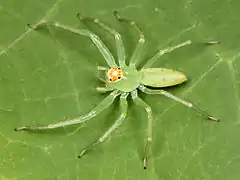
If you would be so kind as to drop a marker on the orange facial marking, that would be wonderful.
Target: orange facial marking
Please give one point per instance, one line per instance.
(114, 74)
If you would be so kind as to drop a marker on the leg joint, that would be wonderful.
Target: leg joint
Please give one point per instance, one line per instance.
(148, 109)
(101, 139)
(149, 139)
(117, 36)
(96, 20)
(142, 38)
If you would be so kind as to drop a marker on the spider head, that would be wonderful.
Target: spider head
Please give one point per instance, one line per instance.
(114, 74)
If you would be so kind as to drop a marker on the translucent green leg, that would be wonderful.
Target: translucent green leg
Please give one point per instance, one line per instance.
(148, 109)
(117, 36)
(175, 98)
(118, 122)
(84, 32)
(101, 68)
(170, 49)
(164, 51)
(95, 111)
(139, 48)
(104, 89)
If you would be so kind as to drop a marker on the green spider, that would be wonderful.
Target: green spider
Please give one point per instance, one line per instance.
(123, 80)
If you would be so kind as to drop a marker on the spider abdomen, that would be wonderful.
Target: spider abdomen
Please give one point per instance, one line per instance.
(161, 77)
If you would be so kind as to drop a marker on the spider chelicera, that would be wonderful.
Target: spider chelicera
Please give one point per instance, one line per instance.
(123, 80)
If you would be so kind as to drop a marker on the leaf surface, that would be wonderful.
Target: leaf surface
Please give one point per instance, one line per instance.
(50, 75)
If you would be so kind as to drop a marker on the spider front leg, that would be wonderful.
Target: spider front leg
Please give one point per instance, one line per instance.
(175, 98)
(84, 32)
(139, 48)
(118, 122)
(101, 68)
(106, 88)
(95, 111)
(148, 109)
(117, 36)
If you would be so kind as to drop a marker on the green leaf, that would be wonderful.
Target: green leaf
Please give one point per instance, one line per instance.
(50, 75)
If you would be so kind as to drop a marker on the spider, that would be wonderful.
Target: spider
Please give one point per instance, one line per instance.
(123, 80)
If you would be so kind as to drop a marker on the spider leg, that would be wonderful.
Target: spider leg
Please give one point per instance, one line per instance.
(118, 122)
(170, 49)
(163, 52)
(139, 48)
(104, 89)
(95, 111)
(101, 68)
(117, 37)
(84, 32)
(101, 79)
(148, 109)
(175, 98)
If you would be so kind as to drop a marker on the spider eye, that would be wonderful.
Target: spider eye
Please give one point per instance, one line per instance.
(119, 77)
(119, 68)
(110, 79)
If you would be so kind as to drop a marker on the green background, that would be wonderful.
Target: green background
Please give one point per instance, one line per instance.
(48, 76)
